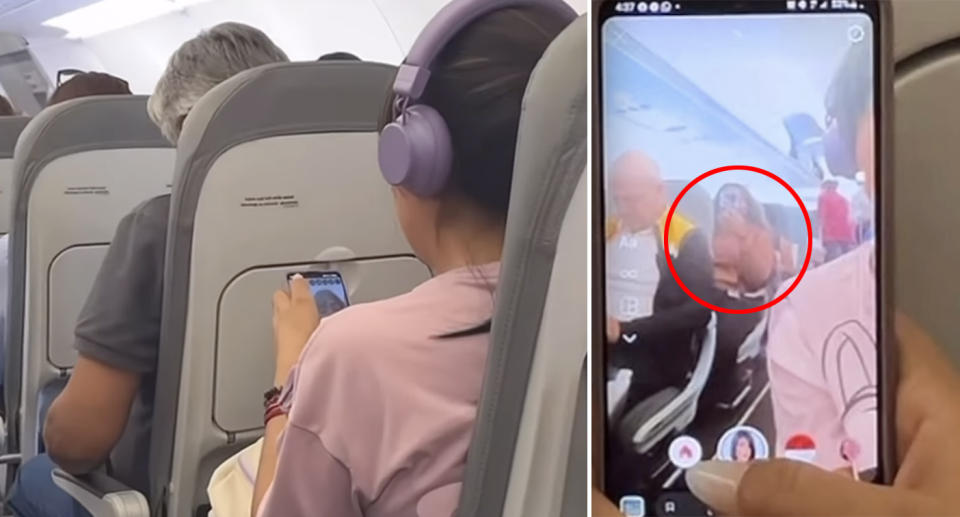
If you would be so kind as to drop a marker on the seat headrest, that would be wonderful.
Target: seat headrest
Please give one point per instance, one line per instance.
(10, 129)
(283, 99)
(551, 143)
(86, 124)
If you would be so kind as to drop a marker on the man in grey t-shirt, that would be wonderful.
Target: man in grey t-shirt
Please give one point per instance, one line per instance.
(106, 409)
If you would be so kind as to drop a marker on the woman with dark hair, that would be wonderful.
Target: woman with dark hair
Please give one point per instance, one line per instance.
(378, 412)
(338, 56)
(742, 448)
(88, 84)
(743, 242)
(744, 267)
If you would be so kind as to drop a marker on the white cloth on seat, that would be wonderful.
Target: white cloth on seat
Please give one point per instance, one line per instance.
(231, 486)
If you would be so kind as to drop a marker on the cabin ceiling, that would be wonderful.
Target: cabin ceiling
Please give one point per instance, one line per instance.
(24, 17)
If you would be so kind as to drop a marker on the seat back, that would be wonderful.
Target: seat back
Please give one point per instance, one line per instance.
(79, 167)
(10, 129)
(677, 414)
(522, 456)
(923, 179)
(276, 171)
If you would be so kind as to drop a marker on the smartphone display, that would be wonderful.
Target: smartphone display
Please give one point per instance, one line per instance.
(328, 290)
(741, 306)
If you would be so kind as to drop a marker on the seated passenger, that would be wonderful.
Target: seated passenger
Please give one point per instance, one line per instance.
(88, 84)
(383, 399)
(118, 329)
(82, 85)
(339, 56)
(654, 324)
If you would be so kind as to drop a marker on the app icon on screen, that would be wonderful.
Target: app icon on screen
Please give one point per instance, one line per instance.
(743, 443)
(800, 447)
(685, 452)
(856, 33)
(633, 506)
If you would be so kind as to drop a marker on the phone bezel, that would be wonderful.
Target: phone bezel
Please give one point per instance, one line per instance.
(886, 338)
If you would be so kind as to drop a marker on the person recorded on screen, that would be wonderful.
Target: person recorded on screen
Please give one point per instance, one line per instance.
(743, 449)
(745, 264)
(652, 321)
(821, 351)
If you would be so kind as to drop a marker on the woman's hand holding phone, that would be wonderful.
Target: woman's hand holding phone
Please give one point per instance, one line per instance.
(295, 317)
(928, 452)
(602, 507)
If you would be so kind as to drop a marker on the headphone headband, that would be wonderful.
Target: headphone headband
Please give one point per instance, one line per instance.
(414, 73)
(415, 151)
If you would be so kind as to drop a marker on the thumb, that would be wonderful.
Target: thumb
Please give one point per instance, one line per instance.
(783, 488)
(300, 288)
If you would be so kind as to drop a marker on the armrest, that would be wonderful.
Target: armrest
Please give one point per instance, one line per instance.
(102, 495)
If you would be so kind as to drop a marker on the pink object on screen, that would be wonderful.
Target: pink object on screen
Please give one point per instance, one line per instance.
(822, 358)
(850, 450)
(383, 408)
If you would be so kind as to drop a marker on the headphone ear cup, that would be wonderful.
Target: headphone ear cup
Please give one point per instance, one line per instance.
(415, 151)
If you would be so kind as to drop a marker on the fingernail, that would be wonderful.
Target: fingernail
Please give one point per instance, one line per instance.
(715, 483)
(297, 276)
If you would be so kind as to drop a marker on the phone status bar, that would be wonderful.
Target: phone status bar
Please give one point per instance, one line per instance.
(654, 7)
(824, 5)
(677, 6)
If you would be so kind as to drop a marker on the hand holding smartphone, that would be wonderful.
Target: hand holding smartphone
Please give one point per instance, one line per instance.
(801, 89)
(328, 290)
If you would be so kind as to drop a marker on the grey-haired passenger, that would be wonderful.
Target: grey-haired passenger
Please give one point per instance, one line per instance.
(118, 331)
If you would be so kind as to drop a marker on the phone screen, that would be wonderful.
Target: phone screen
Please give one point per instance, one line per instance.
(328, 290)
(715, 349)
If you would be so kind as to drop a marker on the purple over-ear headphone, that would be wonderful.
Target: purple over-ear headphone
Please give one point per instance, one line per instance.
(415, 150)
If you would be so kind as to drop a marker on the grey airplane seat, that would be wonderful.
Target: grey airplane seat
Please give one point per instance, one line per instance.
(670, 410)
(79, 167)
(923, 178)
(528, 455)
(276, 172)
(10, 129)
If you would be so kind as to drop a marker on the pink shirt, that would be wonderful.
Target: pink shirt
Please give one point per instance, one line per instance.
(822, 356)
(382, 408)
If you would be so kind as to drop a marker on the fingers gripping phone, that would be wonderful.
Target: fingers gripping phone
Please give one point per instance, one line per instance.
(328, 290)
(712, 347)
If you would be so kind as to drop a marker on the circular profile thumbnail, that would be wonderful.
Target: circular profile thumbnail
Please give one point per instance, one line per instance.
(743, 443)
